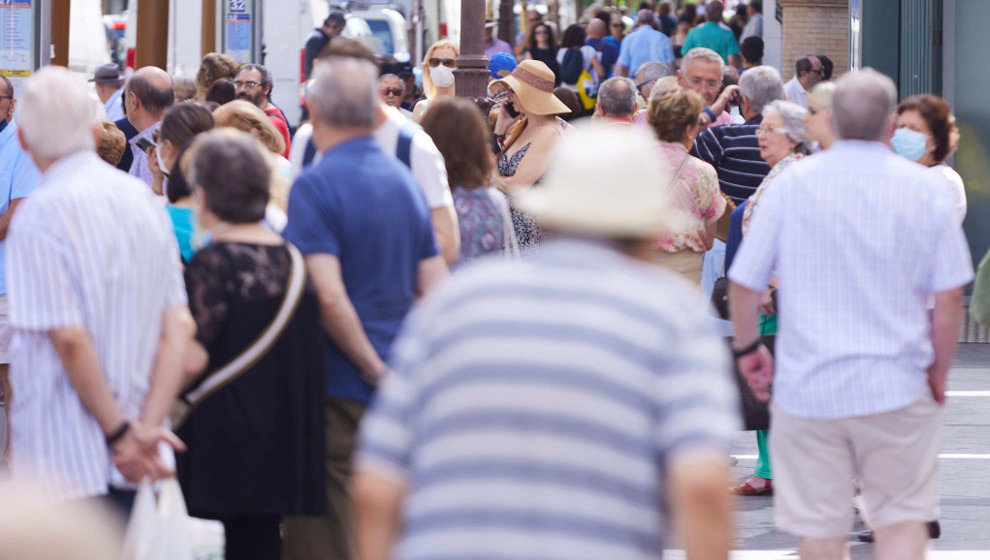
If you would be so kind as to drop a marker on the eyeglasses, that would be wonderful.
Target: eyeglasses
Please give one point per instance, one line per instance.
(640, 86)
(6, 96)
(250, 85)
(617, 25)
(763, 131)
(392, 91)
(542, 32)
(448, 62)
(699, 83)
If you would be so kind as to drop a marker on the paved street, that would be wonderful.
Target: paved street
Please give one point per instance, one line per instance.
(965, 478)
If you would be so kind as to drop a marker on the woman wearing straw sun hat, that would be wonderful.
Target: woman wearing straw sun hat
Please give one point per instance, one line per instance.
(528, 147)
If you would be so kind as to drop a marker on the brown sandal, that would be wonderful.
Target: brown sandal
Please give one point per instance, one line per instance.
(745, 489)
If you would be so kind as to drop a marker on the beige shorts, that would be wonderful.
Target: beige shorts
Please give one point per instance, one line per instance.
(817, 463)
(5, 332)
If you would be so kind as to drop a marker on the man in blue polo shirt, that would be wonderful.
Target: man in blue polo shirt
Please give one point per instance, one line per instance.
(363, 225)
(644, 44)
(18, 176)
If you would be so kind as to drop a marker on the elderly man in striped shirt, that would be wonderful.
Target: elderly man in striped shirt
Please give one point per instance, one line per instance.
(548, 408)
(97, 307)
(861, 364)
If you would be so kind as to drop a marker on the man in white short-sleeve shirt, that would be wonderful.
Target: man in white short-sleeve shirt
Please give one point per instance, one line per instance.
(861, 362)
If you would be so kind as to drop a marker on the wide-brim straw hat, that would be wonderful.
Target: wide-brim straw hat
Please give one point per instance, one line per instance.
(606, 181)
(532, 81)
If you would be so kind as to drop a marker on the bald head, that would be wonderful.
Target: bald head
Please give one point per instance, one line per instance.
(149, 92)
(596, 29)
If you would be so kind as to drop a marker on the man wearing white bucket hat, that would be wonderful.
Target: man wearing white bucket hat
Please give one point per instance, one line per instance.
(546, 408)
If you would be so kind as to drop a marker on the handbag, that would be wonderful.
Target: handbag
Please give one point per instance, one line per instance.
(159, 531)
(755, 414)
(216, 380)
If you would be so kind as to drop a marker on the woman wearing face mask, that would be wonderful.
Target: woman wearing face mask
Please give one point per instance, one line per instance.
(530, 142)
(180, 124)
(438, 74)
(926, 134)
(255, 444)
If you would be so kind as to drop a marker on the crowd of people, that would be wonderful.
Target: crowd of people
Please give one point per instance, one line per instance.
(481, 328)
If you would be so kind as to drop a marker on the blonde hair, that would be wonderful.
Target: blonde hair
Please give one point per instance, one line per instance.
(112, 143)
(246, 116)
(822, 94)
(673, 114)
(428, 88)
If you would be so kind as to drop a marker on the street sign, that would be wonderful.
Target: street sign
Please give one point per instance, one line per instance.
(240, 30)
(17, 41)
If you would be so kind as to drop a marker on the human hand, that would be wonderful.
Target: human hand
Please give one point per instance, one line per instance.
(136, 454)
(757, 369)
(937, 382)
(767, 305)
(723, 100)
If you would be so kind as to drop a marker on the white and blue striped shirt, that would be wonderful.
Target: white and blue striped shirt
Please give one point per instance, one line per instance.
(90, 247)
(535, 405)
(860, 239)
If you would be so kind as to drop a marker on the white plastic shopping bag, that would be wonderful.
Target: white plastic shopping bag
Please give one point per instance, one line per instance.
(162, 531)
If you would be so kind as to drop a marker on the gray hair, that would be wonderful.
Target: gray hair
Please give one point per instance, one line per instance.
(645, 16)
(617, 97)
(822, 95)
(703, 53)
(761, 85)
(384, 77)
(863, 103)
(793, 116)
(56, 114)
(653, 70)
(344, 91)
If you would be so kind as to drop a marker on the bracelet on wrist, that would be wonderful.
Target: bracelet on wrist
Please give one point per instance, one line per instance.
(711, 115)
(740, 352)
(117, 434)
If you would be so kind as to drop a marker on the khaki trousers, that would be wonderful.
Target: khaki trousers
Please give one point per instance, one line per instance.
(329, 537)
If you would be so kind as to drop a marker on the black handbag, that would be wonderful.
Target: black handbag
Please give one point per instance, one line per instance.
(755, 414)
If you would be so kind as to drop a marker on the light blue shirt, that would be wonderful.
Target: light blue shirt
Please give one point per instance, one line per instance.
(115, 106)
(860, 239)
(643, 45)
(18, 176)
(535, 404)
(139, 168)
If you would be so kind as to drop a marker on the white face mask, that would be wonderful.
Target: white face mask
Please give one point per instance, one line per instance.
(442, 76)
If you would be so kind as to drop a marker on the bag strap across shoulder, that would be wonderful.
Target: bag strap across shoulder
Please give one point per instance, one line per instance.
(261, 345)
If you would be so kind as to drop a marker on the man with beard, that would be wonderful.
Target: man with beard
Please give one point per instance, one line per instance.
(254, 83)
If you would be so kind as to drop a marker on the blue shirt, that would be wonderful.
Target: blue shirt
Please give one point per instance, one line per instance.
(610, 54)
(18, 176)
(645, 44)
(183, 225)
(363, 206)
(115, 106)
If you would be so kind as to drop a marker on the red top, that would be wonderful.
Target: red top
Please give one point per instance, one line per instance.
(278, 119)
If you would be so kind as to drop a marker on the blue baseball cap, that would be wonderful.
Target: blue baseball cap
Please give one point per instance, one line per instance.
(501, 65)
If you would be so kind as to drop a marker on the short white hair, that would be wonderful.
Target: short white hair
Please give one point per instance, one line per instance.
(702, 53)
(862, 105)
(761, 85)
(792, 116)
(345, 91)
(55, 114)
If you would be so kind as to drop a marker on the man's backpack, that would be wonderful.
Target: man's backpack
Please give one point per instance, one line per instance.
(572, 66)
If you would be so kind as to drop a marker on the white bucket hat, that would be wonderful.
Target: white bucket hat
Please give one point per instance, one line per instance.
(604, 181)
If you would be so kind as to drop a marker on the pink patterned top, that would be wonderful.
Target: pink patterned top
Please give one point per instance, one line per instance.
(696, 193)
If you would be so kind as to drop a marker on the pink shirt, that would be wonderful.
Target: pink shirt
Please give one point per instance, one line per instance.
(696, 193)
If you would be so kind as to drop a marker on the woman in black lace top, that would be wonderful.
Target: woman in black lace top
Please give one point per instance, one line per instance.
(541, 45)
(256, 445)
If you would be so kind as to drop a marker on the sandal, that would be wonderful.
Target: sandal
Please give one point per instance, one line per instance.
(745, 489)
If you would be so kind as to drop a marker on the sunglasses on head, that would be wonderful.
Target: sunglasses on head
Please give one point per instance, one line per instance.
(392, 91)
(448, 62)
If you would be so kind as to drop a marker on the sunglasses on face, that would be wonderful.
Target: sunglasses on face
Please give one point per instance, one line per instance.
(448, 62)
(392, 91)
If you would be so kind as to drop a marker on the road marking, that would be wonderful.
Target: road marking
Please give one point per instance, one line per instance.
(793, 555)
(967, 393)
(978, 456)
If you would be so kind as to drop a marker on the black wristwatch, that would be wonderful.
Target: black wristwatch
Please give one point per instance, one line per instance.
(739, 353)
(117, 434)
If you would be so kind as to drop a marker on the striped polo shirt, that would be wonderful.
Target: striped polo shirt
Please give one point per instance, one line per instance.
(735, 153)
(91, 248)
(535, 405)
